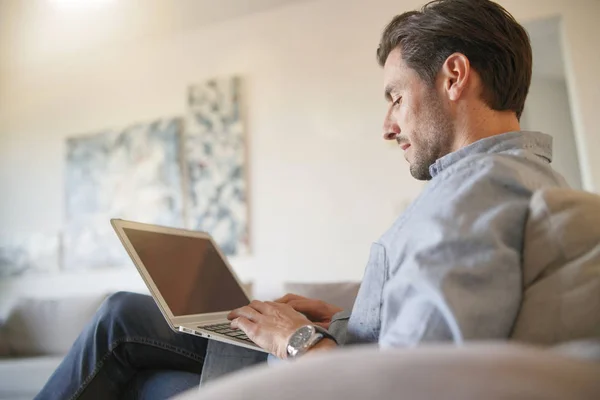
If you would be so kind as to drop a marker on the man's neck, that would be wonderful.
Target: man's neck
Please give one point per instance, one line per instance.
(483, 124)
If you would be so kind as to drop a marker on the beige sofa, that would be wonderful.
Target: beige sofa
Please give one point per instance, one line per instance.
(37, 333)
(487, 371)
(34, 338)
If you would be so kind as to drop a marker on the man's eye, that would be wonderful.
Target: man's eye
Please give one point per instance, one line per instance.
(397, 101)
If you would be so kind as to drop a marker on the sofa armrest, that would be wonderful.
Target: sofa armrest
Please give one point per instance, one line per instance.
(472, 372)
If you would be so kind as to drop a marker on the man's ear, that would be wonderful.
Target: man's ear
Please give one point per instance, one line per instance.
(455, 74)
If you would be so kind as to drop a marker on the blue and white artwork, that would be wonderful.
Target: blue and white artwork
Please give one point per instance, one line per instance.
(23, 253)
(215, 157)
(132, 173)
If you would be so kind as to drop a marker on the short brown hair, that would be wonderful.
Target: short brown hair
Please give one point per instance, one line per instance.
(497, 47)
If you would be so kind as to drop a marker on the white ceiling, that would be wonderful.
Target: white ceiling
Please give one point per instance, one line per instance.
(30, 28)
(195, 13)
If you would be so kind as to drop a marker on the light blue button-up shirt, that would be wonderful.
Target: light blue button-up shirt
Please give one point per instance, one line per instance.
(449, 268)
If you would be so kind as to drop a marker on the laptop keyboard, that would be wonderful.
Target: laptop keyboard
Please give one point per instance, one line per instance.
(225, 329)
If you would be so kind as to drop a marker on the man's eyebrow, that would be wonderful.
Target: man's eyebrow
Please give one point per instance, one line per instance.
(388, 91)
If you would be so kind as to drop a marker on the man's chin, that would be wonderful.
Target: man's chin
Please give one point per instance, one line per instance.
(420, 173)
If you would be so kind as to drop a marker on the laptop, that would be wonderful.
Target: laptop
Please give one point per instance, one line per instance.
(189, 278)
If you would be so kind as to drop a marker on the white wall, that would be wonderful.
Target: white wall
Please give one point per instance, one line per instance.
(547, 110)
(323, 184)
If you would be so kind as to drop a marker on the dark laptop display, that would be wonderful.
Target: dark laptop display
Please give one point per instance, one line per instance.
(188, 272)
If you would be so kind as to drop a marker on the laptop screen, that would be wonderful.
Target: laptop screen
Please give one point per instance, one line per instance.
(188, 271)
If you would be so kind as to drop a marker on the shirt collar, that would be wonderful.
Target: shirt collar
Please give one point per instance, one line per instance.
(538, 143)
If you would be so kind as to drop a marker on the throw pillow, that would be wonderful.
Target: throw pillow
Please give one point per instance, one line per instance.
(561, 268)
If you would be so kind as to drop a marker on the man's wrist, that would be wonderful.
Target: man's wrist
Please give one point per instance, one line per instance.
(324, 344)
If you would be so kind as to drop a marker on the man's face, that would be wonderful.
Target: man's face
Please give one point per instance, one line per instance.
(417, 117)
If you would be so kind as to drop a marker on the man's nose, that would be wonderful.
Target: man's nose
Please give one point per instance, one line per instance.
(390, 128)
(389, 135)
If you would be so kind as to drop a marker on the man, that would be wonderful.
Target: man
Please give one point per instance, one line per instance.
(456, 75)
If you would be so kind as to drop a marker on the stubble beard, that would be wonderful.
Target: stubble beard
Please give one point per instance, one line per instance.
(433, 141)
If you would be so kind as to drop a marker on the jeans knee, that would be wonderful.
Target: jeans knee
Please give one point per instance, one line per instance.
(123, 306)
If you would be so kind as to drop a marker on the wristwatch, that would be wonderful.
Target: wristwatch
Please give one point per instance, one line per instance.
(305, 338)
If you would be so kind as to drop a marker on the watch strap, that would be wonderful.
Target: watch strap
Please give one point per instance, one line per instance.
(325, 333)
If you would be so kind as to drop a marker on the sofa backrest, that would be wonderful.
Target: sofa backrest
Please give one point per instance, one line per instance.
(561, 268)
(47, 326)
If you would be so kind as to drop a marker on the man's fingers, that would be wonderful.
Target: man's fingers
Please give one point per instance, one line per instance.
(303, 305)
(262, 307)
(245, 325)
(246, 312)
(288, 297)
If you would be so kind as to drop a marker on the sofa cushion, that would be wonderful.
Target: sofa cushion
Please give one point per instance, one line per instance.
(561, 268)
(23, 378)
(341, 294)
(48, 326)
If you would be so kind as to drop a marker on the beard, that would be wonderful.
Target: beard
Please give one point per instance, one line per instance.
(434, 138)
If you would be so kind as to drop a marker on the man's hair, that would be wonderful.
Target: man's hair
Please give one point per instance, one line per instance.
(496, 45)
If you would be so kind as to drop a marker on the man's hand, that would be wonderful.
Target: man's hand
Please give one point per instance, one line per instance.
(319, 312)
(268, 324)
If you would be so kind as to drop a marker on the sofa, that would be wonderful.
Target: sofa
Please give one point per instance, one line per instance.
(34, 338)
(561, 282)
(490, 371)
(38, 332)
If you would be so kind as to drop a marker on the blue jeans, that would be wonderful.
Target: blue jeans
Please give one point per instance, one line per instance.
(128, 351)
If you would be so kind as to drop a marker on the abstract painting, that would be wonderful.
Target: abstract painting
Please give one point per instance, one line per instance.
(20, 253)
(131, 173)
(215, 159)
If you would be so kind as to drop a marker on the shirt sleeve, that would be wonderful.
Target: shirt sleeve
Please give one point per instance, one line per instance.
(460, 278)
(339, 326)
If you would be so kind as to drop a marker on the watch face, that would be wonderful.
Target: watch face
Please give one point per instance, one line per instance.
(301, 337)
